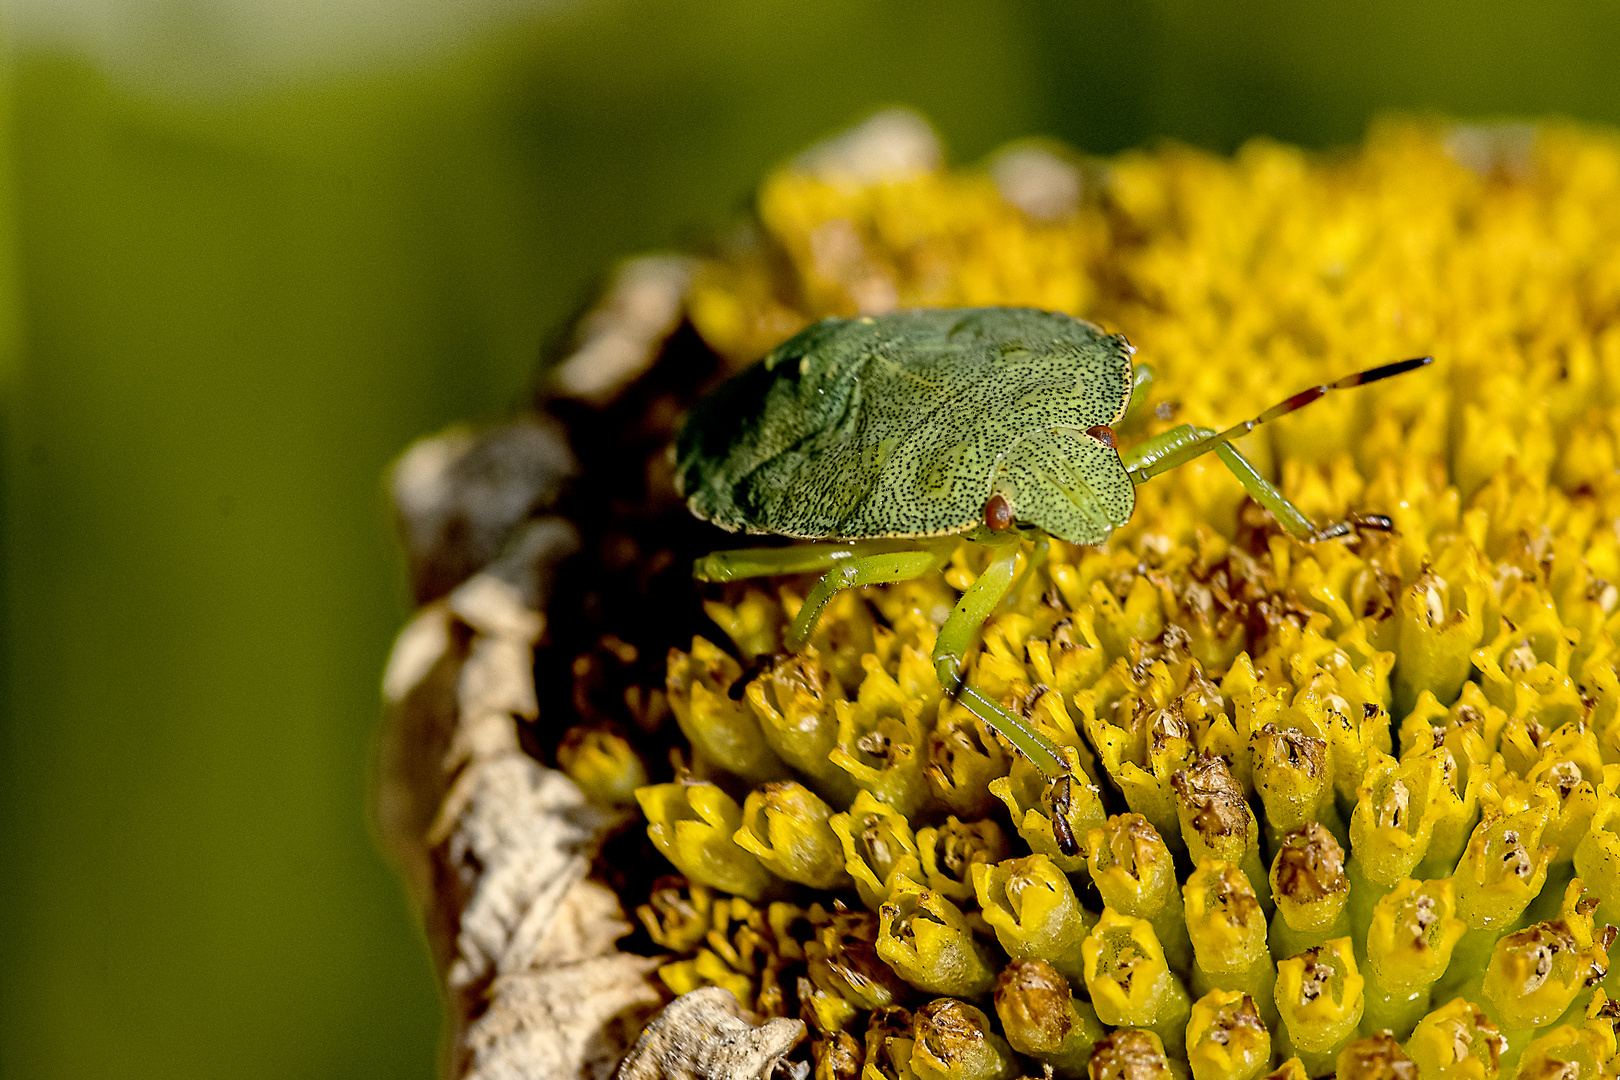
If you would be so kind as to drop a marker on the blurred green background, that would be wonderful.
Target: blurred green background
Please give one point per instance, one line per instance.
(249, 249)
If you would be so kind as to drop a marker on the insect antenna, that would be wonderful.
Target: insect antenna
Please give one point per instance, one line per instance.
(1204, 445)
(1305, 397)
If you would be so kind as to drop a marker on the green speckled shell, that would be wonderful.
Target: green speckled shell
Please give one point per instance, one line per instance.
(904, 424)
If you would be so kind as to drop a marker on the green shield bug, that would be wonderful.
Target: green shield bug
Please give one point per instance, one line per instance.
(889, 438)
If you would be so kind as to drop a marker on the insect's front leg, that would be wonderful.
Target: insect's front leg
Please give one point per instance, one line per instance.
(1184, 442)
(956, 637)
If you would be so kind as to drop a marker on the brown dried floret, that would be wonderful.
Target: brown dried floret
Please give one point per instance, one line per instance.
(1378, 1057)
(955, 1041)
(1310, 865)
(1033, 998)
(836, 1056)
(1212, 798)
(1129, 1054)
(843, 961)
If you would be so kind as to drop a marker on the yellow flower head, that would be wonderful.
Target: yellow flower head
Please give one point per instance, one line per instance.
(1417, 729)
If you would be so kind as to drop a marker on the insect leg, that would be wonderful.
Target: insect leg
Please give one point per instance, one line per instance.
(956, 636)
(981, 598)
(1184, 442)
(1181, 444)
(1291, 517)
(878, 569)
(799, 558)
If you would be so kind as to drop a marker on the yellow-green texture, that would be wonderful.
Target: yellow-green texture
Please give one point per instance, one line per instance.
(1416, 732)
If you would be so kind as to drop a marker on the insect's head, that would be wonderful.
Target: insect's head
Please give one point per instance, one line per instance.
(998, 512)
(1068, 482)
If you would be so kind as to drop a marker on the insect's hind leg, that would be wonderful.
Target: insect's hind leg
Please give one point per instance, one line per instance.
(956, 636)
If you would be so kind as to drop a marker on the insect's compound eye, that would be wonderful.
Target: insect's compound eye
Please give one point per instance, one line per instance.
(1105, 435)
(997, 513)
